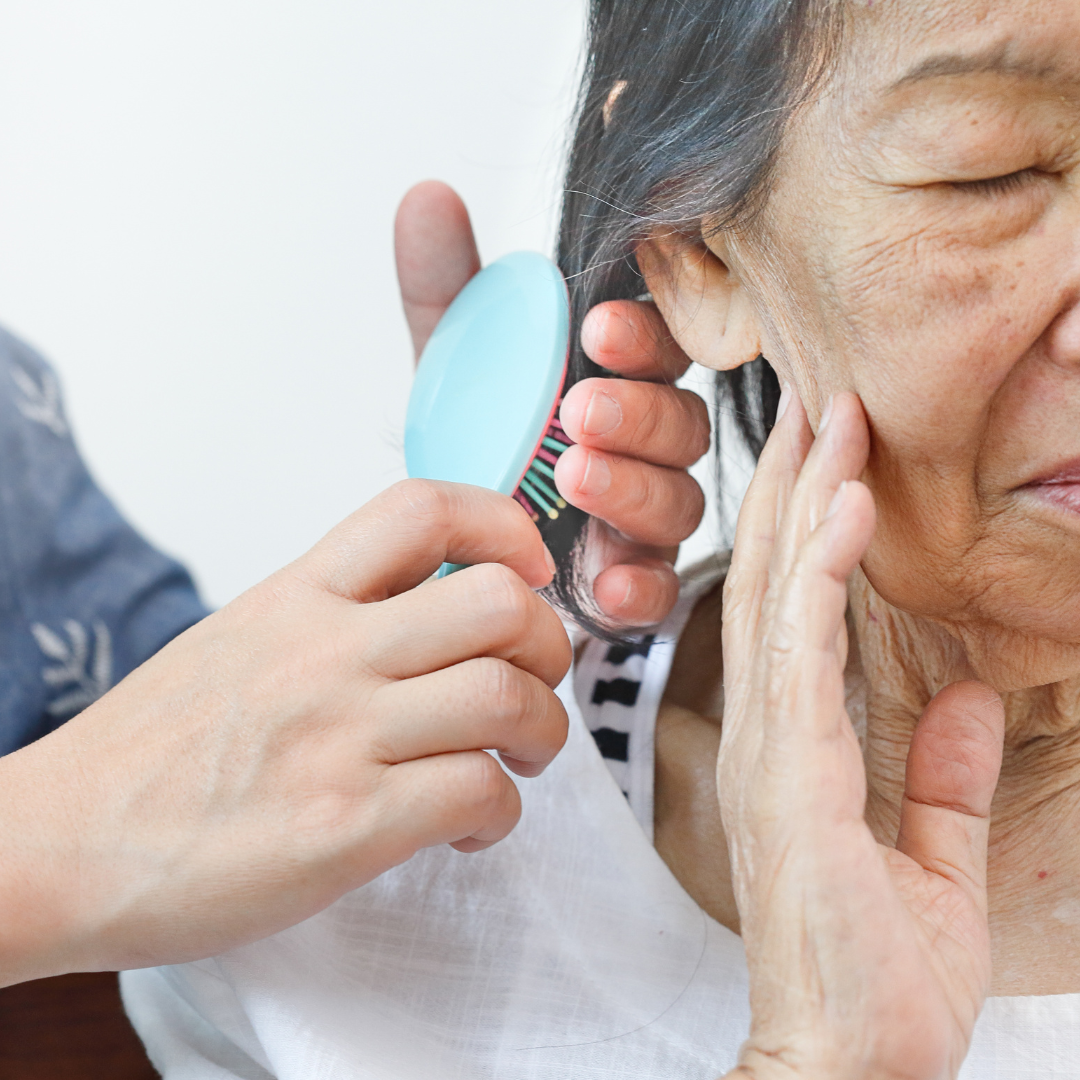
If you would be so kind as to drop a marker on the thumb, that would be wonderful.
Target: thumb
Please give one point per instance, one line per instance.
(436, 255)
(403, 535)
(952, 771)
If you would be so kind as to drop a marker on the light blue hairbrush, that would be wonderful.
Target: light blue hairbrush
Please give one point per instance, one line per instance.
(483, 408)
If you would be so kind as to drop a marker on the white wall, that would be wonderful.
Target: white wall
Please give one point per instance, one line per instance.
(196, 201)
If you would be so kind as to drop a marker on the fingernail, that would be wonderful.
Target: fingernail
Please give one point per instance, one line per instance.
(837, 499)
(785, 401)
(826, 414)
(597, 478)
(603, 414)
(550, 561)
(628, 595)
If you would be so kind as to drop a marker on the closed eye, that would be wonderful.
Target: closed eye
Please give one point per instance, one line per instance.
(999, 185)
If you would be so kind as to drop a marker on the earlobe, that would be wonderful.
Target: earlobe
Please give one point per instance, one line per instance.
(705, 306)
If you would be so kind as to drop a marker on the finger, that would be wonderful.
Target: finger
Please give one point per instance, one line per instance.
(647, 503)
(482, 704)
(838, 453)
(484, 610)
(658, 424)
(637, 594)
(812, 599)
(405, 534)
(802, 678)
(464, 799)
(755, 532)
(952, 771)
(633, 584)
(798, 727)
(436, 255)
(803, 636)
(631, 338)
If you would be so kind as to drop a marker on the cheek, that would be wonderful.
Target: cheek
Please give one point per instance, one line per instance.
(932, 326)
(933, 330)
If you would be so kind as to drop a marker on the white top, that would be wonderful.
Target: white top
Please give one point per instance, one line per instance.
(567, 952)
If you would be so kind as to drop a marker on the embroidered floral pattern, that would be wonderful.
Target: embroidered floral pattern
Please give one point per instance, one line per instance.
(41, 404)
(82, 673)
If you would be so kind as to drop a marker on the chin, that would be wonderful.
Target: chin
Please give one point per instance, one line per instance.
(1012, 600)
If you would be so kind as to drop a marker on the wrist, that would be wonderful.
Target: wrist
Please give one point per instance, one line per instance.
(755, 1064)
(46, 910)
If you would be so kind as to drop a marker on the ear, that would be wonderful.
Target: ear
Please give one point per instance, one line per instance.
(704, 304)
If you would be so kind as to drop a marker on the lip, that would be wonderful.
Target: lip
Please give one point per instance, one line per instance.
(1061, 487)
(1068, 472)
(1064, 496)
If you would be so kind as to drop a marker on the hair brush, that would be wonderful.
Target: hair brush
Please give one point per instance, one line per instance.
(484, 406)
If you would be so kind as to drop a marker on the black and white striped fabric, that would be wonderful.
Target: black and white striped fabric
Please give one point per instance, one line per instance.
(619, 688)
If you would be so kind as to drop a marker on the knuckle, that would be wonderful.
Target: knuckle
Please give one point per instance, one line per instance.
(502, 689)
(425, 501)
(692, 499)
(327, 812)
(563, 654)
(646, 496)
(653, 422)
(506, 596)
(673, 500)
(558, 644)
(487, 788)
(424, 496)
(556, 723)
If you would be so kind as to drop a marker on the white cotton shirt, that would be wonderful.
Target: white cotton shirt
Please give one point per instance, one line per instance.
(568, 951)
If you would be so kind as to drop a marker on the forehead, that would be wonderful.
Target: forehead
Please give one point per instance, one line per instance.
(894, 42)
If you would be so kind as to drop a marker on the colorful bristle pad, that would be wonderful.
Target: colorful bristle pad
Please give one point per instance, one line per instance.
(490, 377)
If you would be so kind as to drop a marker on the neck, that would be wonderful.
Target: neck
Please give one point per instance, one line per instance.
(1034, 874)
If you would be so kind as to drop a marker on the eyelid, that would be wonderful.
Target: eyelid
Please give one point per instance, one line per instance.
(1000, 185)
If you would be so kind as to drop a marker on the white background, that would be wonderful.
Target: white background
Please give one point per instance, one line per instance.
(196, 206)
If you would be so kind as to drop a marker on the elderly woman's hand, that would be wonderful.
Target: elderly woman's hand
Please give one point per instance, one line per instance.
(636, 436)
(866, 960)
(317, 731)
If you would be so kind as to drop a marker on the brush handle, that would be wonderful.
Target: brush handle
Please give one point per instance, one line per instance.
(449, 568)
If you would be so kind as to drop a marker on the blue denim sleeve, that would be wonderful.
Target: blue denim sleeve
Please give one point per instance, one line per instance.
(83, 598)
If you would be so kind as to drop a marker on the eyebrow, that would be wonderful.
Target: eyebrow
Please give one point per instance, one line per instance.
(995, 61)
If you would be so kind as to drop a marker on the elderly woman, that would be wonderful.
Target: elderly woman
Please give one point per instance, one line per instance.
(865, 215)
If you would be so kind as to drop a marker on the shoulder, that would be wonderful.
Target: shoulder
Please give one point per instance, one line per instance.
(83, 598)
(29, 389)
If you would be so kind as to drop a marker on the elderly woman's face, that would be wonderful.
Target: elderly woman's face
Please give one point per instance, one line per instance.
(922, 247)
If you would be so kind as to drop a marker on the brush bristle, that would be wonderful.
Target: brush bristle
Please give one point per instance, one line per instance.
(537, 491)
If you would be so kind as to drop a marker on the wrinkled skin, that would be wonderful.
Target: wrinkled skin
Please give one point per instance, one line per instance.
(919, 256)
(951, 309)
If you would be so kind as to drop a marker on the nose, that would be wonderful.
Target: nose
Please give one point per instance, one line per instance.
(1063, 337)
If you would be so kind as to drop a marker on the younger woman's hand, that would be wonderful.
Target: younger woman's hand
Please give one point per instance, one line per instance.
(636, 436)
(312, 734)
(866, 960)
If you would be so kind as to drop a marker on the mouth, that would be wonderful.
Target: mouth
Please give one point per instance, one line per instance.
(1060, 488)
